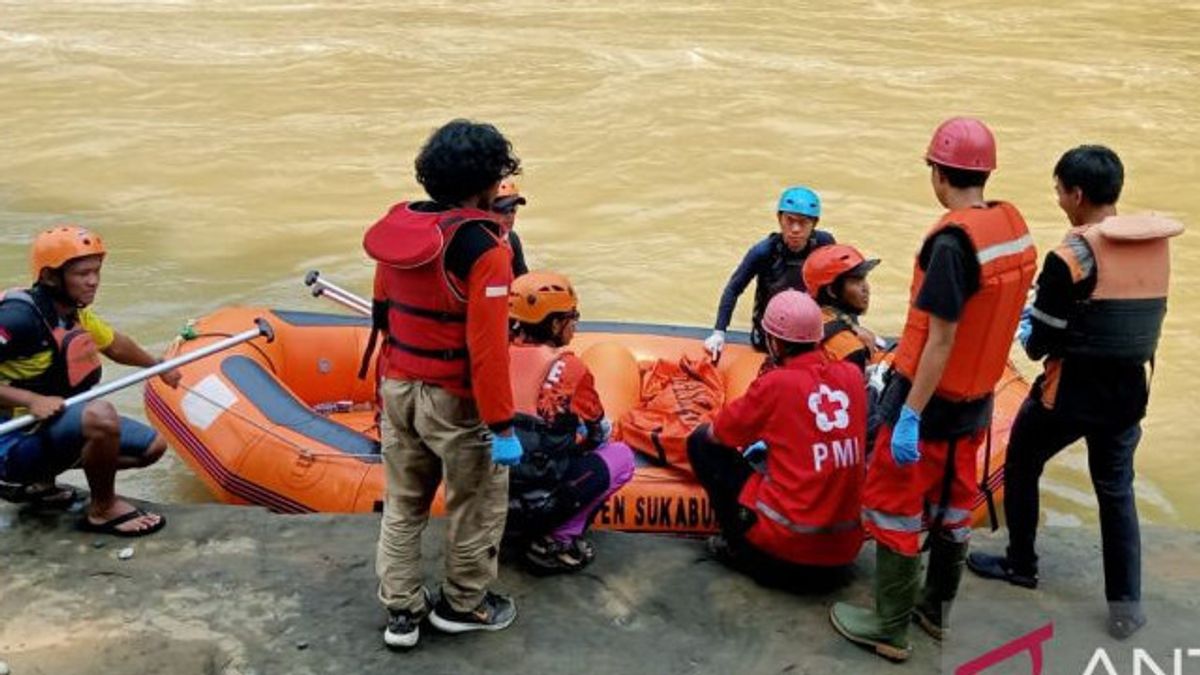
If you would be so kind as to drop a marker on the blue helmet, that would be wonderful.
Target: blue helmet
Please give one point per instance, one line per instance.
(799, 199)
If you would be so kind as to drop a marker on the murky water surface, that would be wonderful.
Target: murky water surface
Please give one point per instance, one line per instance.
(223, 148)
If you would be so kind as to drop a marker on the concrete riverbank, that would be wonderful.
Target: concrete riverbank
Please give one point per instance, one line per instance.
(240, 590)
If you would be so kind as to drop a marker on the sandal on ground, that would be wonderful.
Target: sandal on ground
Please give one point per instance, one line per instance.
(585, 548)
(113, 526)
(549, 556)
(43, 496)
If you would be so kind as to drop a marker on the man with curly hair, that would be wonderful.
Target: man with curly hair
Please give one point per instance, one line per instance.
(441, 297)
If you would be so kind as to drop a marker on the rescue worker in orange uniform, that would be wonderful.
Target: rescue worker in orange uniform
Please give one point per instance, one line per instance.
(836, 277)
(970, 279)
(441, 296)
(800, 516)
(50, 344)
(570, 466)
(508, 200)
(1096, 320)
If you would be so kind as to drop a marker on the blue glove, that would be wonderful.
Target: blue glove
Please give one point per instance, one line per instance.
(755, 450)
(904, 437)
(506, 450)
(1025, 327)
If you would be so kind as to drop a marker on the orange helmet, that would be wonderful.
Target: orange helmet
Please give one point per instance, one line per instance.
(508, 197)
(827, 263)
(57, 246)
(508, 188)
(536, 295)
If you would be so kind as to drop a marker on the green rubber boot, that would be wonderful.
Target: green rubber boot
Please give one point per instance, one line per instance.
(886, 629)
(947, 559)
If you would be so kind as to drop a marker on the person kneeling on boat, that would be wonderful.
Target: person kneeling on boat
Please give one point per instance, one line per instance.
(836, 277)
(50, 346)
(798, 518)
(569, 467)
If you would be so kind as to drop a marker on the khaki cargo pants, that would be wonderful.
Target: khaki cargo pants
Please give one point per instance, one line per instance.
(427, 434)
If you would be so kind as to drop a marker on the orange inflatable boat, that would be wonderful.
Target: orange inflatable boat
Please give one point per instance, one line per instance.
(289, 426)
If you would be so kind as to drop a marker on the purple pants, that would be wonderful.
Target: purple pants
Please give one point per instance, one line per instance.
(613, 469)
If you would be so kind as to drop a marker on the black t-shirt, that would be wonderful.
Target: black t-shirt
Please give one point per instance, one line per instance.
(518, 254)
(951, 274)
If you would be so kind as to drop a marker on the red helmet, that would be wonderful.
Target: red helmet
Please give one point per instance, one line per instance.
(792, 316)
(963, 143)
(827, 263)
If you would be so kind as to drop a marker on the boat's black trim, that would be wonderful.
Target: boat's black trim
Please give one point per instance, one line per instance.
(301, 318)
(280, 407)
(298, 318)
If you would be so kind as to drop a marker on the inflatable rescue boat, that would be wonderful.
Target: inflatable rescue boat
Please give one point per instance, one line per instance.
(288, 424)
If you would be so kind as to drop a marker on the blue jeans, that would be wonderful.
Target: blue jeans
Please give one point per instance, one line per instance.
(1037, 436)
(56, 446)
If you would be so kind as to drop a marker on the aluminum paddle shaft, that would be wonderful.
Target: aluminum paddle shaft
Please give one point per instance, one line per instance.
(261, 329)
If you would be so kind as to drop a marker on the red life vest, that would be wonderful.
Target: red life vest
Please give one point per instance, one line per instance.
(1007, 262)
(426, 305)
(75, 364)
(810, 498)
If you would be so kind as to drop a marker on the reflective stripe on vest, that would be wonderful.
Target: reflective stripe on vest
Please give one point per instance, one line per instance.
(779, 518)
(1007, 262)
(1123, 316)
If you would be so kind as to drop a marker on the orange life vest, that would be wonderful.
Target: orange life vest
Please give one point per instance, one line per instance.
(1007, 262)
(1123, 316)
(840, 341)
(75, 364)
(426, 306)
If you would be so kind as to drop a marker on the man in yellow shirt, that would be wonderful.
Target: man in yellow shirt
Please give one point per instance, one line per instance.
(50, 346)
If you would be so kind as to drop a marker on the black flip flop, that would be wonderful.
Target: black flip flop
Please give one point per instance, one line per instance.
(110, 526)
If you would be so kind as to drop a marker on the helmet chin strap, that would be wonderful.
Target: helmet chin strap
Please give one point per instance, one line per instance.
(771, 350)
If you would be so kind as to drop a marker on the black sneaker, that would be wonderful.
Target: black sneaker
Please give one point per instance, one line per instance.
(991, 566)
(1122, 624)
(494, 612)
(404, 627)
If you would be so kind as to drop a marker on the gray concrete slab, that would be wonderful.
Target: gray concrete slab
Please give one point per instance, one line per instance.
(240, 590)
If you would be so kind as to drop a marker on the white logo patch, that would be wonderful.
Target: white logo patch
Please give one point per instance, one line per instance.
(830, 407)
(496, 292)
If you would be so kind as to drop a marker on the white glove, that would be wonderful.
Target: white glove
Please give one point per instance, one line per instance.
(714, 343)
(877, 375)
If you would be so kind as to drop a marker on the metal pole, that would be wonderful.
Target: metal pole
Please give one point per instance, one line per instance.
(320, 286)
(322, 292)
(263, 329)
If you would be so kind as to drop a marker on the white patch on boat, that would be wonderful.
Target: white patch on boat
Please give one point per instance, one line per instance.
(206, 401)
